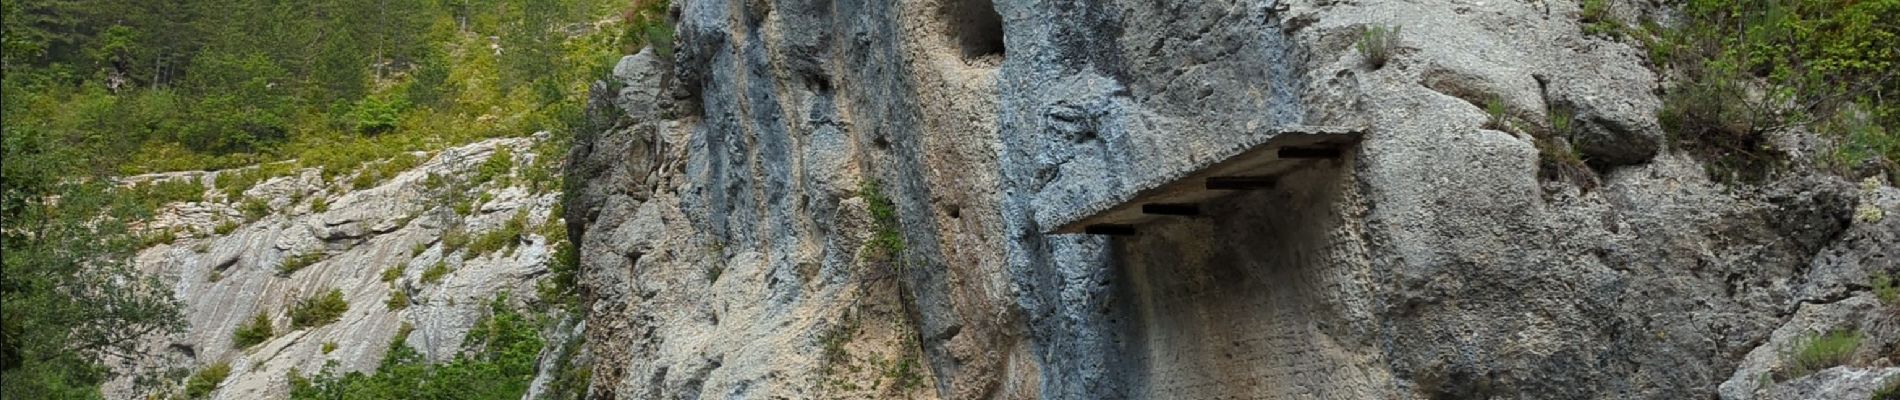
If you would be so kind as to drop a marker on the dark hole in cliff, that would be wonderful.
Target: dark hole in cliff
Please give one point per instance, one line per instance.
(978, 27)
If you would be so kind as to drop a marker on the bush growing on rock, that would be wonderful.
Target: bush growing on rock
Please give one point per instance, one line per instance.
(254, 332)
(293, 264)
(207, 380)
(319, 310)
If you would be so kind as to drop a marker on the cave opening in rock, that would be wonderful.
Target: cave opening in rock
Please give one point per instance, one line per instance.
(977, 26)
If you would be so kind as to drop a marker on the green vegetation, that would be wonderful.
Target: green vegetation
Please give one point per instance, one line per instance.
(225, 227)
(390, 274)
(1887, 391)
(319, 309)
(1886, 289)
(563, 266)
(206, 380)
(498, 362)
(398, 298)
(69, 292)
(498, 166)
(435, 272)
(1746, 69)
(319, 204)
(163, 236)
(506, 237)
(1818, 352)
(329, 347)
(254, 209)
(295, 263)
(92, 90)
(254, 332)
(887, 243)
(1377, 43)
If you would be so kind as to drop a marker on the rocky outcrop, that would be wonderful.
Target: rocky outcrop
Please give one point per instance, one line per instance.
(349, 239)
(734, 233)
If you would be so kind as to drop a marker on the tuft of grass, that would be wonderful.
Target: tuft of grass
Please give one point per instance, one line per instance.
(254, 209)
(1887, 391)
(398, 299)
(508, 236)
(161, 237)
(453, 240)
(226, 227)
(319, 310)
(1819, 352)
(390, 274)
(498, 166)
(293, 264)
(329, 347)
(251, 333)
(1377, 44)
(1886, 289)
(1500, 119)
(206, 380)
(319, 204)
(435, 272)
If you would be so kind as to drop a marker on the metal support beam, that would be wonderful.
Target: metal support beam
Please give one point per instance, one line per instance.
(1180, 209)
(1309, 152)
(1110, 229)
(1239, 182)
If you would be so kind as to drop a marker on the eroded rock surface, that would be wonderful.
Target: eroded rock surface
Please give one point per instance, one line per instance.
(727, 236)
(224, 279)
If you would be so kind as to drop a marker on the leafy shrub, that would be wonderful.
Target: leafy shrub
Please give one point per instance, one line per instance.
(254, 332)
(319, 310)
(1815, 61)
(206, 380)
(1815, 353)
(435, 272)
(375, 115)
(292, 264)
(1377, 44)
(497, 362)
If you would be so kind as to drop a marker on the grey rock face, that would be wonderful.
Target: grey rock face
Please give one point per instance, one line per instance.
(223, 280)
(727, 237)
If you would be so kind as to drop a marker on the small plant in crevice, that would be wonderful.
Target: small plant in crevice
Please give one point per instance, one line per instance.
(390, 274)
(1886, 289)
(225, 227)
(254, 209)
(207, 380)
(258, 330)
(1499, 116)
(834, 353)
(1558, 160)
(887, 241)
(329, 346)
(1818, 352)
(319, 310)
(435, 272)
(1377, 44)
(296, 263)
(398, 298)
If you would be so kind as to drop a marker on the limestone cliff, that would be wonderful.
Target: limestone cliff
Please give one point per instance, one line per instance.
(850, 199)
(386, 247)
